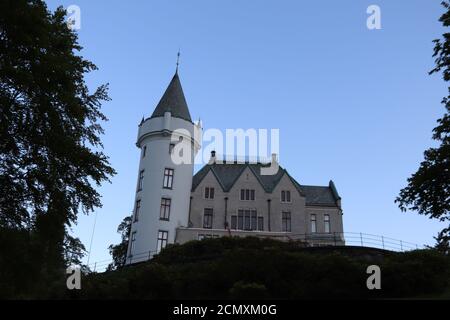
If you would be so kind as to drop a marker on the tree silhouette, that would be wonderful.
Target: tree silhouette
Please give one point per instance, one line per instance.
(119, 251)
(51, 155)
(428, 190)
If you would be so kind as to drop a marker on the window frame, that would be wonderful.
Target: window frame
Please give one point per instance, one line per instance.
(162, 240)
(169, 173)
(210, 215)
(286, 216)
(209, 193)
(137, 210)
(247, 195)
(141, 180)
(165, 204)
(326, 223)
(132, 242)
(285, 196)
(313, 222)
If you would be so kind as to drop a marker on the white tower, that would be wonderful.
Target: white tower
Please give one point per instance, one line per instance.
(164, 184)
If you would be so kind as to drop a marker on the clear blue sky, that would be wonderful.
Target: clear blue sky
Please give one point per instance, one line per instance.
(353, 105)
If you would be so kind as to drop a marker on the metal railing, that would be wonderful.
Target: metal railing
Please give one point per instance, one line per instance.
(311, 239)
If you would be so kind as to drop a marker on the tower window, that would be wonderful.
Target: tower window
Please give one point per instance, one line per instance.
(326, 221)
(141, 180)
(168, 178)
(137, 210)
(162, 240)
(313, 223)
(171, 146)
(247, 194)
(133, 242)
(164, 212)
(208, 218)
(209, 193)
(285, 196)
(144, 151)
(286, 221)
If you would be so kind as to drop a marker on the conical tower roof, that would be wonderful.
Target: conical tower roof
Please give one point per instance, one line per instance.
(173, 101)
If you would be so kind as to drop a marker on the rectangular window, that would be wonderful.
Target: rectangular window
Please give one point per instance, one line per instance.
(254, 220)
(141, 180)
(247, 220)
(286, 221)
(164, 212)
(133, 242)
(207, 218)
(162, 240)
(168, 178)
(233, 222)
(326, 221)
(144, 151)
(313, 223)
(241, 220)
(260, 223)
(285, 196)
(247, 194)
(171, 146)
(136, 211)
(209, 193)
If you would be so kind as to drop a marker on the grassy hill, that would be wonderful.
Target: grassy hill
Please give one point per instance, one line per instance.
(252, 268)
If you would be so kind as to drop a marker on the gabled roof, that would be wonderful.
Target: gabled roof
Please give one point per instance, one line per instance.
(173, 101)
(228, 173)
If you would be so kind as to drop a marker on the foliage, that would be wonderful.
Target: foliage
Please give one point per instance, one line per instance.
(51, 155)
(428, 189)
(252, 268)
(119, 251)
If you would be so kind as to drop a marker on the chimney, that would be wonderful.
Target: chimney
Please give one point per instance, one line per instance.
(212, 160)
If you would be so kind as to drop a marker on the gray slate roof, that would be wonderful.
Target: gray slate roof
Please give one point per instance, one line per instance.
(227, 174)
(173, 100)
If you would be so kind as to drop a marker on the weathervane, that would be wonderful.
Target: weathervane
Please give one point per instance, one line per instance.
(178, 59)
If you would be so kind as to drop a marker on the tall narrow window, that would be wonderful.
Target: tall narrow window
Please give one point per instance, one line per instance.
(141, 180)
(168, 178)
(209, 193)
(207, 218)
(247, 194)
(137, 210)
(133, 242)
(286, 221)
(254, 225)
(164, 212)
(144, 151)
(313, 223)
(233, 222)
(241, 220)
(260, 223)
(326, 222)
(171, 146)
(285, 196)
(162, 240)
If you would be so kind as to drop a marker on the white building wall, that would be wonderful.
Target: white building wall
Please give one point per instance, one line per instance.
(156, 135)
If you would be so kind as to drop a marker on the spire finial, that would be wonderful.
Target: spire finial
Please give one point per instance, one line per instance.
(178, 60)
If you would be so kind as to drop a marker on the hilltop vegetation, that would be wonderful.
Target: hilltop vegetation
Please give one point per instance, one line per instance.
(251, 268)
